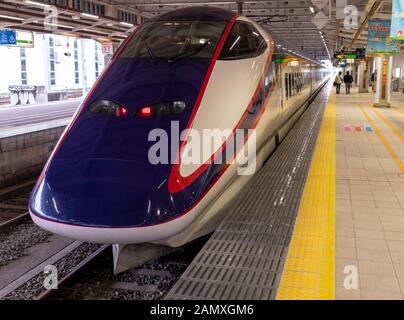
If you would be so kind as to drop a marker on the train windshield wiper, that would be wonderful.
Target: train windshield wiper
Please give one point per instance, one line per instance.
(190, 53)
(150, 51)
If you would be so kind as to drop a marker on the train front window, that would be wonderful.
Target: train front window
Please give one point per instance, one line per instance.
(162, 39)
(244, 41)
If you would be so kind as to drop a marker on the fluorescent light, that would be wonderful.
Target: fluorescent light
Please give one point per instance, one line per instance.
(58, 25)
(10, 17)
(95, 31)
(36, 3)
(311, 9)
(126, 24)
(92, 16)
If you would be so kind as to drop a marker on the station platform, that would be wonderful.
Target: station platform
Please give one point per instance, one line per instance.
(19, 116)
(324, 217)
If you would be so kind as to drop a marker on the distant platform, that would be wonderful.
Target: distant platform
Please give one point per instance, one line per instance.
(25, 118)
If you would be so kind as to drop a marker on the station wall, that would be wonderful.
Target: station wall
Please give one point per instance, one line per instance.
(23, 156)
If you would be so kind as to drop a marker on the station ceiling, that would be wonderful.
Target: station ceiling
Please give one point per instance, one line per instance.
(309, 27)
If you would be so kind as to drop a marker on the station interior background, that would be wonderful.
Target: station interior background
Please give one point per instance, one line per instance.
(60, 49)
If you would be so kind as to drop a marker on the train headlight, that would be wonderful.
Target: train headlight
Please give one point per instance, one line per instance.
(163, 108)
(108, 108)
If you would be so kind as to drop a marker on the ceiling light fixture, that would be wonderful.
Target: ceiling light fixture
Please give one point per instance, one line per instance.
(37, 3)
(88, 15)
(58, 25)
(10, 17)
(126, 24)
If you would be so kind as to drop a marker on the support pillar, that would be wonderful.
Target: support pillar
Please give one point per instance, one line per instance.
(384, 68)
(353, 74)
(363, 76)
(239, 7)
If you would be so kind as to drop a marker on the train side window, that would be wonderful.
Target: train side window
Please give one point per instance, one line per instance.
(286, 86)
(291, 84)
(298, 82)
(243, 42)
(294, 83)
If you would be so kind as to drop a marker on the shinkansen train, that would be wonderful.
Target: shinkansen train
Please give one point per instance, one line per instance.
(190, 70)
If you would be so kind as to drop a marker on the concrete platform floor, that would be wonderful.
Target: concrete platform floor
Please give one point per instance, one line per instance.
(369, 198)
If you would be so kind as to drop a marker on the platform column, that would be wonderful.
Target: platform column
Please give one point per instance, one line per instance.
(384, 69)
(363, 76)
(353, 74)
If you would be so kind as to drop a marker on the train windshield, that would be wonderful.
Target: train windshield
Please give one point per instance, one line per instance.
(173, 40)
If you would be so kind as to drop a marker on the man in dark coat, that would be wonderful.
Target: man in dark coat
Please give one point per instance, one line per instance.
(348, 82)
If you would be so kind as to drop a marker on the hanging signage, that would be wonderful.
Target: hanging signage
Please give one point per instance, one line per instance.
(25, 39)
(345, 55)
(16, 38)
(360, 53)
(8, 37)
(379, 41)
(107, 47)
(397, 20)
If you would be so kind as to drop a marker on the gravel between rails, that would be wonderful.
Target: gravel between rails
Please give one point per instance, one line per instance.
(32, 288)
(103, 284)
(150, 281)
(17, 239)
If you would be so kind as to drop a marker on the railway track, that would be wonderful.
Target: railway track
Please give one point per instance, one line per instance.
(14, 204)
(84, 271)
(60, 266)
(94, 279)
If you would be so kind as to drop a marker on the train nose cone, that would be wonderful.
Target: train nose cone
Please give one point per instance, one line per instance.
(100, 175)
(99, 192)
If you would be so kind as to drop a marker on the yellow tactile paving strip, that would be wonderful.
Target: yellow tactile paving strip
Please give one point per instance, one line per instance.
(309, 271)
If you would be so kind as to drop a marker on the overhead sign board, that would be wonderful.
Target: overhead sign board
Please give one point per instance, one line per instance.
(8, 37)
(107, 47)
(345, 55)
(25, 39)
(397, 20)
(360, 52)
(379, 42)
(16, 38)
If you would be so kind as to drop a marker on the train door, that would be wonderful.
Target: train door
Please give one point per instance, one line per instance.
(311, 78)
(281, 90)
(278, 93)
(287, 72)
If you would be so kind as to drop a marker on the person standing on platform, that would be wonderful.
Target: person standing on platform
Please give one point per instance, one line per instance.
(337, 82)
(348, 82)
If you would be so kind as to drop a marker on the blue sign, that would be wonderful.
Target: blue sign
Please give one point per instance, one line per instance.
(397, 20)
(8, 37)
(379, 41)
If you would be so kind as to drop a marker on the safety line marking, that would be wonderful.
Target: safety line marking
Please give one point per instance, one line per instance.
(398, 110)
(388, 123)
(309, 270)
(387, 145)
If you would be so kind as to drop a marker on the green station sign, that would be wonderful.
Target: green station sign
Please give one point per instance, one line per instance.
(345, 55)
